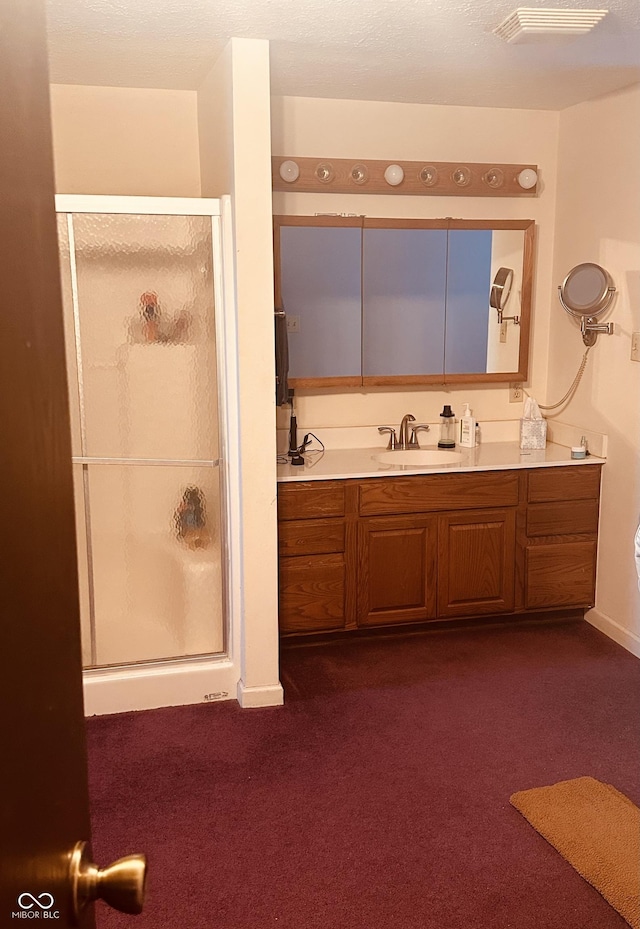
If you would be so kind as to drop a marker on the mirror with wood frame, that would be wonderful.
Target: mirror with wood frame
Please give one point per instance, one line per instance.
(375, 302)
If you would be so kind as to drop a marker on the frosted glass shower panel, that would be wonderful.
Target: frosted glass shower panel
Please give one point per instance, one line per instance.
(147, 338)
(156, 542)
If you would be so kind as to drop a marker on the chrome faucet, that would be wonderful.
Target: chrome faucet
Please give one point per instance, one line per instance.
(404, 441)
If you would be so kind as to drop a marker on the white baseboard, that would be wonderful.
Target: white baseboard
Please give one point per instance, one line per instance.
(611, 628)
(119, 690)
(269, 695)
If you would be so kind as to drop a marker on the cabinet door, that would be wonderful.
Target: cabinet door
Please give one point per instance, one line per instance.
(560, 574)
(476, 562)
(397, 570)
(312, 593)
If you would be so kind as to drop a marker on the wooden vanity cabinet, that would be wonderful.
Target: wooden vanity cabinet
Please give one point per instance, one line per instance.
(315, 573)
(389, 551)
(561, 537)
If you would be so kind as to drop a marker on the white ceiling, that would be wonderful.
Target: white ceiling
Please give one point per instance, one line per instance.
(415, 51)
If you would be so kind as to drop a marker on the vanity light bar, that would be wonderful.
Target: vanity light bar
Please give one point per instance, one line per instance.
(435, 178)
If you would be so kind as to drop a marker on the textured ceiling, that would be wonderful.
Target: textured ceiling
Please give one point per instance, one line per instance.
(415, 51)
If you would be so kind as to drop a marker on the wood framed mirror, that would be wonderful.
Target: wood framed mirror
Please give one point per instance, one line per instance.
(376, 302)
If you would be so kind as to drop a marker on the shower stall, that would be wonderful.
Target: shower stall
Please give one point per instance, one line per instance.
(148, 350)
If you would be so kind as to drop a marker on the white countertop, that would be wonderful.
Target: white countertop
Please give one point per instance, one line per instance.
(342, 463)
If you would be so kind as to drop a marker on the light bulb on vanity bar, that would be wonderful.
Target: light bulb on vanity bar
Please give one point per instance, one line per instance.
(289, 171)
(527, 178)
(394, 175)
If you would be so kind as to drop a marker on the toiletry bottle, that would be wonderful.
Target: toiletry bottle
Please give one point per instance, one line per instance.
(467, 428)
(447, 428)
(478, 434)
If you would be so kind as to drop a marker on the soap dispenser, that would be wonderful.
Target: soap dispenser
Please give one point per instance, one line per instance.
(467, 428)
(447, 428)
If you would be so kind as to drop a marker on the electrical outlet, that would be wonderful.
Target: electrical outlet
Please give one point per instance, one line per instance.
(293, 324)
(635, 346)
(516, 393)
(503, 332)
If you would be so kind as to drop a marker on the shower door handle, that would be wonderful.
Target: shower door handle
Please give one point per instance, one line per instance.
(121, 884)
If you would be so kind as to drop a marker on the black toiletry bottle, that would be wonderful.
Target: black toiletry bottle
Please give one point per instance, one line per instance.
(447, 428)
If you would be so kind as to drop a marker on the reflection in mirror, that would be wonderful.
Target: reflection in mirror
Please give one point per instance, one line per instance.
(503, 343)
(320, 275)
(501, 289)
(403, 295)
(372, 302)
(468, 280)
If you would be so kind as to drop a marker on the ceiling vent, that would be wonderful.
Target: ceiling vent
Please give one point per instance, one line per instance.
(540, 25)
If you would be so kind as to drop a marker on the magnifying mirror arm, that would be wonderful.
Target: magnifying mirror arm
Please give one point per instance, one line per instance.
(588, 324)
(504, 319)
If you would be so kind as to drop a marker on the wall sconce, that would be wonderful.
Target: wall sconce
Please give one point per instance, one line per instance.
(394, 175)
(528, 178)
(289, 171)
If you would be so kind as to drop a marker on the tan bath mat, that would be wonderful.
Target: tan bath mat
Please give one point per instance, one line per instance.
(597, 830)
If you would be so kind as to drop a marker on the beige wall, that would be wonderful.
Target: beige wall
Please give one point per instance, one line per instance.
(598, 219)
(364, 129)
(215, 127)
(125, 140)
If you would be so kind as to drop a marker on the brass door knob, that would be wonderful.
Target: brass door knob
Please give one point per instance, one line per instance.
(121, 884)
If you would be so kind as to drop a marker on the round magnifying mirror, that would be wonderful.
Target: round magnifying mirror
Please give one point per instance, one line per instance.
(501, 288)
(587, 290)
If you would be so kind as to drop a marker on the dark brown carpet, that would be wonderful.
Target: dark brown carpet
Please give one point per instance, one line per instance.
(378, 797)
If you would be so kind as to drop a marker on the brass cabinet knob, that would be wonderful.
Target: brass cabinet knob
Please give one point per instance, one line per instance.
(121, 884)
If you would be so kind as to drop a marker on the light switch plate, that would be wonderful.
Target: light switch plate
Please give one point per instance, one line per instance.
(635, 346)
(503, 332)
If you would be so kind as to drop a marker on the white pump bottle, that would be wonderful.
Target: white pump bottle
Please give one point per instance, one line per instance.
(467, 428)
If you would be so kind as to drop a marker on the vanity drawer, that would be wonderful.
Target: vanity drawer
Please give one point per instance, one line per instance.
(310, 499)
(312, 594)
(579, 482)
(312, 537)
(575, 518)
(380, 497)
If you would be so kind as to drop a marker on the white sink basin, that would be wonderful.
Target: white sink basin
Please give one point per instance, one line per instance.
(419, 457)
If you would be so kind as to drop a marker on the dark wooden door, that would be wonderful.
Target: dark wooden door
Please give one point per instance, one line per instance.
(397, 569)
(476, 562)
(44, 807)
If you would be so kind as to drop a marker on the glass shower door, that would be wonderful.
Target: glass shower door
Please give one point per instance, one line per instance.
(139, 306)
